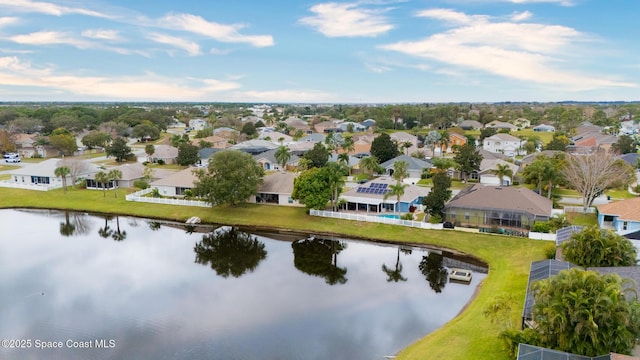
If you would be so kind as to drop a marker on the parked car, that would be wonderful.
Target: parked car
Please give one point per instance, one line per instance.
(12, 160)
(448, 225)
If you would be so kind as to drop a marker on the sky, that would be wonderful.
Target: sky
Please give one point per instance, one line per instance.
(285, 51)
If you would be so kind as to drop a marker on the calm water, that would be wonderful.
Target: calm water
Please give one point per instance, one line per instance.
(136, 289)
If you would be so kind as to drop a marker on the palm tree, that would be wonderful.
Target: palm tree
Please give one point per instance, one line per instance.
(336, 172)
(394, 275)
(348, 145)
(282, 156)
(63, 171)
(406, 145)
(445, 140)
(501, 171)
(396, 190)
(115, 175)
(149, 149)
(400, 170)
(102, 178)
(370, 164)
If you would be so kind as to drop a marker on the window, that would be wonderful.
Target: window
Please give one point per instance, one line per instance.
(466, 216)
(624, 225)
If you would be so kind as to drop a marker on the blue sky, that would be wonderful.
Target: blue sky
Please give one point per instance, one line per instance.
(368, 51)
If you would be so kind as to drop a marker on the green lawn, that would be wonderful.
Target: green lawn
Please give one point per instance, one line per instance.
(467, 337)
(620, 194)
(582, 219)
(5, 177)
(4, 167)
(32, 160)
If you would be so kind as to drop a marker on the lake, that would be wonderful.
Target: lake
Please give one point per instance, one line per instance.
(79, 286)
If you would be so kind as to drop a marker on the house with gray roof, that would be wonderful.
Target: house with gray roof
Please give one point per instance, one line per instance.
(500, 125)
(168, 154)
(43, 174)
(276, 188)
(268, 160)
(470, 125)
(370, 197)
(255, 146)
(504, 144)
(130, 173)
(415, 166)
(175, 184)
(506, 210)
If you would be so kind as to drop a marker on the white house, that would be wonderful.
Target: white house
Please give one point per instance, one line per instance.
(198, 124)
(175, 184)
(487, 172)
(503, 144)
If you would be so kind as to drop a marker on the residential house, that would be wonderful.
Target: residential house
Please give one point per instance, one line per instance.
(499, 125)
(276, 188)
(369, 123)
(299, 124)
(508, 210)
(369, 197)
(355, 127)
(544, 128)
(198, 124)
(470, 125)
(528, 159)
(228, 133)
(522, 123)
(540, 270)
(631, 159)
(590, 142)
(255, 146)
(166, 153)
(326, 127)
(251, 119)
(204, 155)
(401, 137)
(26, 146)
(487, 173)
(217, 142)
(314, 138)
(504, 144)
(622, 216)
(455, 141)
(175, 184)
(276, 137)
(268, 160)
(414, 169)
(43, 173)
(300, 148)
(130, 173)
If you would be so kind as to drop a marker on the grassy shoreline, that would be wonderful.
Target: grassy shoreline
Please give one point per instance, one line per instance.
(468, 336)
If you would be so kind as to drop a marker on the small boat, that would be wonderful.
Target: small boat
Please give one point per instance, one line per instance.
(193, 220)
(460, 275)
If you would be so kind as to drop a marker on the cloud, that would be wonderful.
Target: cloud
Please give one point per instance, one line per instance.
(516, 17)
(213, 30)
(5, 21)
(346, 20)
(190, 47)
(215, 51)
(28, 6)
(14, 72)
(561, 2)
(51, 38)
(109, 35)
(520, 51)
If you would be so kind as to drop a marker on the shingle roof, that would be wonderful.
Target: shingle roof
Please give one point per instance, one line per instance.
(414, 163)
(48, 167)
(270, 156)
(508, 198)
(184, 178)
(625, 209)
(278, 183)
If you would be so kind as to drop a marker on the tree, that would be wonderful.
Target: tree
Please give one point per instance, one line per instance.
(400, 170)
(311, 188)
(383, 148)
(149, 149)
(102, 178)
(396, 190)
(468, 160)
(62, 172)
(114, 175)
(502, 171)
(318, 156)
(487, 132)
(231, 178)
(432, 267)
(625, 145)
(592, 175)
(348, 145)
(145, 130)
(249, 129)
(187, 154)
(584, 313)
(594, 247)
(335, 173)
(319, 257)
(370, 164)
(439, 195)
(433, 139)
(230, 252)
(394, 274)
(96, 139)
(559, 142)
(77, 167)
(119, 149)
(63, 141)
(282, 155)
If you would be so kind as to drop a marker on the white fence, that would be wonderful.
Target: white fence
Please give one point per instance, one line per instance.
(139, 197)
(374, 218)
(542, 236)
(579, 209)
(38, 187)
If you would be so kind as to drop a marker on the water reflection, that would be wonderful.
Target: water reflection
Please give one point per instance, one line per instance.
(74, 224)
(395, 274)
(230, 251)
(319, 257)
(432, 267)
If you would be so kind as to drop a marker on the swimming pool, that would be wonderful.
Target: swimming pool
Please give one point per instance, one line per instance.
(390, 216)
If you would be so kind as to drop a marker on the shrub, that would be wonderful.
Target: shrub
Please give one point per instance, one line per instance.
(542, 227)
(406, 217)
(435, 219)
(141, 184)
(550, 251)
(160, 162)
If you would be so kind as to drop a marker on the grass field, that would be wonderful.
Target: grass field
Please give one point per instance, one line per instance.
(470, 336)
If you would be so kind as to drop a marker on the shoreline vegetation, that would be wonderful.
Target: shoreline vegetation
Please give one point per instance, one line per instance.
(468, 336)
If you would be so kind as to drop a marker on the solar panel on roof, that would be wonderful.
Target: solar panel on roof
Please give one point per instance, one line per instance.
(384, 186)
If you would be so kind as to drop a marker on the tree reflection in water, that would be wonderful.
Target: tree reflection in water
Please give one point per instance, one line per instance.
(118, 235)
(75, 224)
(106, 231)
(395, 274)
(433, 270)
(319, 257)
(230, 251)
